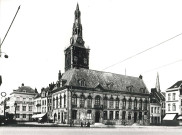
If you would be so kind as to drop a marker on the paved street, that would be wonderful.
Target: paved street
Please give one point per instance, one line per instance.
(90, 131)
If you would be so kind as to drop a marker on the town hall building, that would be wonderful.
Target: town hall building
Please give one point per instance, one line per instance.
(83, 95)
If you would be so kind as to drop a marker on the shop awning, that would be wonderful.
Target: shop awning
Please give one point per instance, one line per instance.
(39, 115)
(169, 117)
(179, 118)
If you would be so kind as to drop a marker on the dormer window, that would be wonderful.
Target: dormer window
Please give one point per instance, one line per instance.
(81, 82)
(24, 91)
(130, 88)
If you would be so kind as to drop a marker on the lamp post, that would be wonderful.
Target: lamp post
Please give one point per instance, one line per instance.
(15, 105)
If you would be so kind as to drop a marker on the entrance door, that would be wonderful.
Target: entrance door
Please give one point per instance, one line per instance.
(135, 117)
(97, 116)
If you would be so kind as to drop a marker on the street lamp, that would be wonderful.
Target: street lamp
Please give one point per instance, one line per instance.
(15, 105)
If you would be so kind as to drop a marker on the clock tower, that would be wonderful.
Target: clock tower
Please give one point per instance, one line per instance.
(76, 55)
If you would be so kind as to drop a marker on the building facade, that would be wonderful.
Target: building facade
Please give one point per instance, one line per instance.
(21, 103)
(83, 95)
(157, 104)
(173, 104)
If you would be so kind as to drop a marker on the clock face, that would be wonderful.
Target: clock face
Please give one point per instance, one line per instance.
(79, 40)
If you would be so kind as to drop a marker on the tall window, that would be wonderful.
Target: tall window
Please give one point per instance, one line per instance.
(151, 109)
(129, 103)
(89, 114)
(140, 104)
(169, 96)
(24, 108)
(129, 116)
(174, 107)
(56, 102)
(74, 100)
(124, 103)
(24, 115)
(74, 114)
(60, 101)
(53, 102)
(111, 102)
(123, 115)
(89, 103)
(64, 100)
(97, 100)
(105, 115)
(174, 96)
(111, 115)
(135, 103)
(169, 107)
(145, 104)
(117, 115)
(30, 108)
(117, 103)
(82, 101)
(105, 102)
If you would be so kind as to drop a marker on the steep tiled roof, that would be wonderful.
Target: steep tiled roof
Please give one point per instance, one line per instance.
(176, 85)
(106, 80)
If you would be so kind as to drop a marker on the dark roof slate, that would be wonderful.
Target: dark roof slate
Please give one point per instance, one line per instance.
(176, 85)
(108, 81)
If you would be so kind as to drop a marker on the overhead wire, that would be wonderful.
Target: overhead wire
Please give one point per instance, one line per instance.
(142, 51)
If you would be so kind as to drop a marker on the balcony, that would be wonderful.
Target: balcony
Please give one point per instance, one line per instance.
(123, 107)
(74, 106)
(98, 106)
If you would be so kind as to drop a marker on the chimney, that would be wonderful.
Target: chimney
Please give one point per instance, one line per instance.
(59, 75)
(22, 84)
(141, 77)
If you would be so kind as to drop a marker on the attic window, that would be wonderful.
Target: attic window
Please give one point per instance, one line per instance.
(81, 82)
(130, 88)
(110, 85)
(175, 86)
(24, 91)
(142, 90)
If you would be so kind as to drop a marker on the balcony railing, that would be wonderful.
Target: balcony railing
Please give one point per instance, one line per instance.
(98, 106)
(24, 102)
(123, 107)
(74, 106)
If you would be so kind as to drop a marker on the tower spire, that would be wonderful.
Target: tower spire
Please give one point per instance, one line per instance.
(157, 86)
(76, 38)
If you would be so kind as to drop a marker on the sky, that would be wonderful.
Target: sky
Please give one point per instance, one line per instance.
(114, 30)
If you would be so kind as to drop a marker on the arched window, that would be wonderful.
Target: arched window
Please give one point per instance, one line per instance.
(117, 103)
(129, 103)
(174, 107)
(82, 101)
(74, 100)
(111, 103)
(97, 100)
(105, 102)
(89, 103)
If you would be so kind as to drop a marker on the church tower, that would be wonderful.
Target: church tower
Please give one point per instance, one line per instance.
(76, 55)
